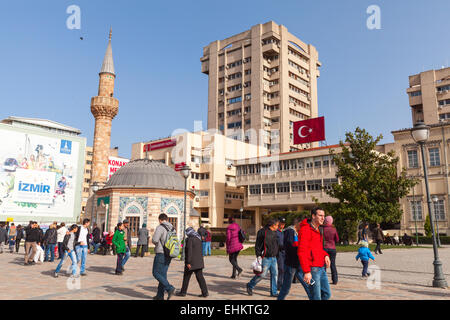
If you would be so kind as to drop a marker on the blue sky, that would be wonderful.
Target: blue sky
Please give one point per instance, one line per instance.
(48, 72)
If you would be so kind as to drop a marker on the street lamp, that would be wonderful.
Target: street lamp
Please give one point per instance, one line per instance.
(185, 170)
(415, 216)
(420, 134)
(241, 210)
(435, 199)
(94, 188)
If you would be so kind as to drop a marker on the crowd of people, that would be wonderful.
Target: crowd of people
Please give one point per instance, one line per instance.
(300, 253)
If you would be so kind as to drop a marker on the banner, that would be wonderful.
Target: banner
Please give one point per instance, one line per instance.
(114, 164)
(34, 186)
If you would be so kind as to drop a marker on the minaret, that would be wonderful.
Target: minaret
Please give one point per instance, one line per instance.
(104, 107)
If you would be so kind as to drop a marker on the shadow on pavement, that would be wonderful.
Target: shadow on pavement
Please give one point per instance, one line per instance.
(229, 287)
(100, 269)
(127, 292)
(428, 293)
(392, 270)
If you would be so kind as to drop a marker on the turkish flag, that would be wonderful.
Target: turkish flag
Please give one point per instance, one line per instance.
(309, 130)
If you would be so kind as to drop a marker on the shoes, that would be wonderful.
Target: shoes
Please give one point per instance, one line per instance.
(123, 269)
(203, 295)
(118, 273)
(249, 290)
(56, 275)
(274, 295)
(170, 293)
(239, 273)
(180, 294)
(32, 263)
(233, 277)
(83, 274)
(157, 298)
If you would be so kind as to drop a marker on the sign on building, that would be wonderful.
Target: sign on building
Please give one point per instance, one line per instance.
(114, 164)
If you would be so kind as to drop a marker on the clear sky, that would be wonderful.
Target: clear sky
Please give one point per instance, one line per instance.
(46, 71)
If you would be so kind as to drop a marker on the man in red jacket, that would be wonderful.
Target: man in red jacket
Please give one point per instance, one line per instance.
(313, 257)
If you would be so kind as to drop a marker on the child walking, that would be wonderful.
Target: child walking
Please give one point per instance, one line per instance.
(364, 254)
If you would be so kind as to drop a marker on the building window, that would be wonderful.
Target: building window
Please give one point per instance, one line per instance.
(413, 161)
(328, 183)
(301, 163)
(317, 162)
(314, 185)
(298, 186)
(203, 193)
(415, 93)
(293, 164)
(439, 210)
(434, 157)
(416, 210)
(309, 163)
(444, 102)
(326, 161)
(283, 187)
(255, 189)
(268, 188)
(234, 100)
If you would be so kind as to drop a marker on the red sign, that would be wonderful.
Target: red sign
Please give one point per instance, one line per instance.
(309, 130)
(179, 166)
(160, 145)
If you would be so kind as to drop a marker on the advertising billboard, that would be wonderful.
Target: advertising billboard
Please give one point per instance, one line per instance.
(40, 175)
(114, 164)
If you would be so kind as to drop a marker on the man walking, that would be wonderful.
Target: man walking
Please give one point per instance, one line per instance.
(142, 243)
(82, 241)
(266, 247)
(203, 234)
(379, 238)
(50, 240)
(162, 259)
(3, 236)
(31, 240)
(313, 257)
(61, 233)
(96, 238)
(127, 238)
(19, 237)
(281, 253)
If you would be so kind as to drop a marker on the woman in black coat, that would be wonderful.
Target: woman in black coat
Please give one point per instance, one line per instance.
(193, 263)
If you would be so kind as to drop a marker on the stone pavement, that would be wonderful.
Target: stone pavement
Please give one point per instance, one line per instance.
(405, 274)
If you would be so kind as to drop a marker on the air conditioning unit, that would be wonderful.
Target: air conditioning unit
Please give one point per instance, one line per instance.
(269, 61)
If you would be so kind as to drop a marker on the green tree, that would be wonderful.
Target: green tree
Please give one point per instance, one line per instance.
(369, 185)
(427, 226)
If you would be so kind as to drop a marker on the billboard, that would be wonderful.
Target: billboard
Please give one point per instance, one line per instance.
(40, 175)
(114, 164)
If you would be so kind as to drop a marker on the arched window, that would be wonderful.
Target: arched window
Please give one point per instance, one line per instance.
(133, 210)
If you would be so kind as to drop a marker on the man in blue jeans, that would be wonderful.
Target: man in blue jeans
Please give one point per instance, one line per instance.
(82, 241)
(162, 260)
(127, 238)
(267, 247)
(313, 257)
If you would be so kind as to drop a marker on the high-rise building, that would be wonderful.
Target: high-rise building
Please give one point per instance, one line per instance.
(429, 96)
(104, 107)
(260, 82)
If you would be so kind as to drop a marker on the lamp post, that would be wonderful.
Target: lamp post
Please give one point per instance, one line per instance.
(241, 210)
(415, 215)
(420, 134)
(94, 188)
(185, 170)
(435, 200)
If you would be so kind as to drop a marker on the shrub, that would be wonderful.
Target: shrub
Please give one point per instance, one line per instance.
(427, 226)
(288, 215)
(429, 240)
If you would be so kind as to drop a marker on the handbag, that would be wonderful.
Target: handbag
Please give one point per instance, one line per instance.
(241, 235)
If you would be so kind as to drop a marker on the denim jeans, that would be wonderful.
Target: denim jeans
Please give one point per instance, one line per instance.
(50, 248)
(160, 267)
(126, 257)
(81, 256)
(365, 267)
(60, 250)
(73, 257)
(281, 263)
(119, 266)
(289, 274)
(203, 248)
(321, 288)
(268, 264)
(208, 248)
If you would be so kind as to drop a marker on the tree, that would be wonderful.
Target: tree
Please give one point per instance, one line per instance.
(369, 185)
(427, 226)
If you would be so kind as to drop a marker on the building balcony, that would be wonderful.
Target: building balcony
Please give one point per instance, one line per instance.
(270, 48)
(205, 67)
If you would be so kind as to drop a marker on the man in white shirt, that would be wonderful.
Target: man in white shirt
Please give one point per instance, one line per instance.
(61, 233)
(82, 243)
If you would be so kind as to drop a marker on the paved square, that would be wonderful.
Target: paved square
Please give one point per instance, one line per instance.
(405, 274)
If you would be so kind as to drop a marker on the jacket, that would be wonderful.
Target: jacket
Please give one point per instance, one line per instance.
(68, 242)
(109, 239)
(364, 254)
(19, 234)
(233, 243)
(41, 235)
(33, 235)
(280, 237)
(208, 237)
(3, 235)
(50, 237)
(330, 236)
(202, 232)
(96, 236)
(290, 247)
(194, 255)
(142, 237)
(127, 237)
(310, 247)
(77, 237)
(266, 245)
(379, 236)
(119, 241)
(160, 235)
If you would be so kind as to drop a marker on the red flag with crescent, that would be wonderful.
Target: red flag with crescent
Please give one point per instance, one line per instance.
(309, 130)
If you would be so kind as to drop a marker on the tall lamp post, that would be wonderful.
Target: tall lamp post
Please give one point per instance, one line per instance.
(241, 210)
(415, 216)
(94, 188)
(185, 170)
(420, 134)
(435, 200)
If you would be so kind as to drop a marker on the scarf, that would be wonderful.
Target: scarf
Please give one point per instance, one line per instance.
(190, 232)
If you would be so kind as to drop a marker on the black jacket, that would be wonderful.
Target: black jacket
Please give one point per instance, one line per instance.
(50, 237)
(3, 235)
(41, 235)
(19, 235)
(194, 254)
(203, 233)
(33, 235)
(266, 243)
(128, 239)
(291, 259)
(96, 235)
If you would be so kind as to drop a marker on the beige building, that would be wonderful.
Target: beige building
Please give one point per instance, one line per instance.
(286, 182)
(260, 82)
(213, 177)
(429, 96)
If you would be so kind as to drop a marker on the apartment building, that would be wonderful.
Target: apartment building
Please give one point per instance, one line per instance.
(260, 82)
(213, 176)
(429, 96)
(286, 182)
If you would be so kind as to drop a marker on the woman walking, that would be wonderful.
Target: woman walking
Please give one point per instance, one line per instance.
(68, 246)
(193, 263)
(330, 236)
(119, 241)
(234, 246)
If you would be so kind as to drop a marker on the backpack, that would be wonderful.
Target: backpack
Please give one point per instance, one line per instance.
(171, 245)
(241, 235)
